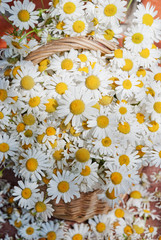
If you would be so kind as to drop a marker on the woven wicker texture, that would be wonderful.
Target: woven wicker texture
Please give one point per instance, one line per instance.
(88, 205)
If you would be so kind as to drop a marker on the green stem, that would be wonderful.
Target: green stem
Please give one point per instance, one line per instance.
(129, 4)
(27, 35)
(6, 19)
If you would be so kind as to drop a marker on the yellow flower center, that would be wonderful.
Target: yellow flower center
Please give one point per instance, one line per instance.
(118, 53)
(51, 236)
(116, 178)
(145, 53)
(102, 121)
(51, 105)
(61, 88)
(28, 133)
(138, 230)
(26, 193)
(77, 107)
(92, 82)
(124, 159)
(157, 107)
(58, 155)
(77, 236)
(16, 44)
(82, 155)
(24, 15)
(4, 147)
(69, 7)
(154, 127)
(60, 25)
(17, 224)
(109, 34)
(29, 119)
(55, 2)
(82, 57)
(45, 180)
(100, 227)
(85, 125)
(3, 95)
(78, 26)
(140, 118)
(123, 110)
(34, 102)
(1, 115)
(141, 84)
(141, 72)
(119, 213)
(30, 230)
(150, 91)
(128, 230)
(40, 138)
(106, 142)
(86, 171)
(27, 82)
(151, 229)
(67, 64)
(63, 186)
(40, 207)
(147, 19)
(73, 132)
(110, 195)
(127, 84)
(110, 10)
(7, 72)
(31, 164)
(50, 131)
(137, 38)
(105, 100)
(135, 194)
(157, 77)
(128, 65)
(124, 128)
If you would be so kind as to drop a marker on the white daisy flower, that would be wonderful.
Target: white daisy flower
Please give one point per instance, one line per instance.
(29, 231)
(151, 232)
(130, 65)
(111, 33)
(153, 107)
(146, 15)
(76, 105)
(108, 196)
(137, 38)
(6, 92)
(23, 14)
(122, 109)
(33, 164)
(148, 57)
(18, 220)
(63, 186)
(79, 231)
(8, 146)
(76, 27)
(118, 212)
(125, 228)
(42, 207)
(157, 73)
(4, 6)
(146, 212)
(52, 230)
(26, 193)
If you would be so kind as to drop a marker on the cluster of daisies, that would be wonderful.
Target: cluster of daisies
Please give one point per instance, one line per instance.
(131, 220)
(79, 120)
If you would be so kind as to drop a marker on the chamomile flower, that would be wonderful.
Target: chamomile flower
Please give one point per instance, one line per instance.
(6, 92)
(146, 212)
(155, 155)
(29, 231)
(125, 228)
(129, 65)
(4, 5)
(151, 232)
(122, 109)
(52, 229)
(33, 164)
(76, 27)
(26, 193)
(42, 207)
(63, 186)
(108, 196)
(79, 231)
(23, 14)
(111, 33)
(153, 107)
(8, 146)
(4, 117)
(146, 15)
(76, 105)
(157, 73)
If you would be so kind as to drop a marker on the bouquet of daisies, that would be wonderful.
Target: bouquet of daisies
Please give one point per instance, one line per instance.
(79, 120)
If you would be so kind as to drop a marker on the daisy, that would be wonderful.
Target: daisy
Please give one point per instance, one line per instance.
(8, 146)
(6, 92)
(129, 65)
(111, 33)
(26, 193)
(147, 213)
(4, 117)
(23, 14)
(155, 155)
(63, 186)
(153, 106)
(18, 220)
(76, 105)
(148, 57)
(52, 230)
(151, 232)
(122, 109)
(137, 38)
(42, 207)
(4, 6)
(101, 123)
(108, 196)
(29, 231)
(78, 231)
(33, 164)
(157, 73)
(76, 27)
(124, 228)
(146, 15)
(118, 212)
(99, 225)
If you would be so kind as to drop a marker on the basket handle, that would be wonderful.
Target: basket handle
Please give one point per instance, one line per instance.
(65, 44)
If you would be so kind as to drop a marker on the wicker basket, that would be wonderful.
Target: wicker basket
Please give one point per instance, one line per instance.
(88, 205)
